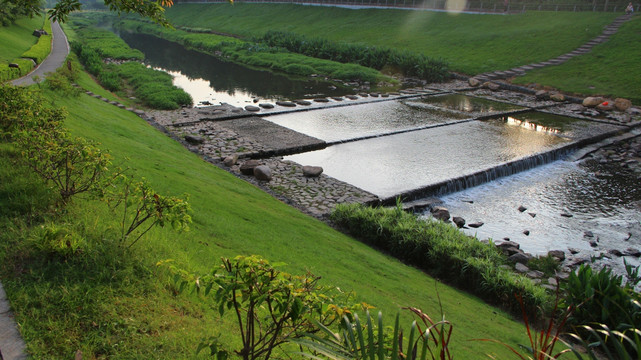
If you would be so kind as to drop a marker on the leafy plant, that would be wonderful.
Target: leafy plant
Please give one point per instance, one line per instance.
(358, 341)
(271, 307)
(58, 239)
(542, 342)
(142, 207)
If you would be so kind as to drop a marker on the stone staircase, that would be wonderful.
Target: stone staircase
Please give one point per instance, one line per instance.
(583, 49)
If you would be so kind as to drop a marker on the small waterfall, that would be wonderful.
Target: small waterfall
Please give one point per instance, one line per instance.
(484, 176)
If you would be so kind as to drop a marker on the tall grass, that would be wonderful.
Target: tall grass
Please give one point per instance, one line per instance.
(444, 252)
(408, 63)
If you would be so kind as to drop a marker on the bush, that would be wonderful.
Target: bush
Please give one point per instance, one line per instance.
(54, 239)
(110, 81)
(40, 50)
(443, 251)
(9, 73)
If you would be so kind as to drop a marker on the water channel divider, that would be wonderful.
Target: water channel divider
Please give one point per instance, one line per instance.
(467, 181)
(302, 109)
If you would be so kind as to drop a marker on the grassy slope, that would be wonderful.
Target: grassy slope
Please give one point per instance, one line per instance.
(230, 217)
(470, 43)
(597, 69)
(17, 38)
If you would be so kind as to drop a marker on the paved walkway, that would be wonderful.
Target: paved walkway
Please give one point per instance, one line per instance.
(59, 52)
(583, 49)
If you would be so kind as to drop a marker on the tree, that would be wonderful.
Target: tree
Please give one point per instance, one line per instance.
(152, 9)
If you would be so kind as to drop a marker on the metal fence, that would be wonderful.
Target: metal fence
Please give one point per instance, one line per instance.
(481, 6)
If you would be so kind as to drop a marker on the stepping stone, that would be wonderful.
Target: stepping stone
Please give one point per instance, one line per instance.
(337, 98)
(364, 94)
(266, 106)
(285, 103)
(303, 102)
(322, 100)
(352, 97)
(252, 108)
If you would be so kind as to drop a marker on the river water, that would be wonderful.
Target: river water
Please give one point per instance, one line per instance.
(376, 149)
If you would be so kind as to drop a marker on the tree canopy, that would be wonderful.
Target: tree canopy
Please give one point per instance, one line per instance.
(10, 10)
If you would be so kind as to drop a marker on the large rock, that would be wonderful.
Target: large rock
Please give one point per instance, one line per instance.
(40, 32)
(14, 65)
(247, 168)
(230, 160)
(507, 244)
(520, 258)
(557, 254)
(474, 82)
(492, 86)
(459, 221)
(557, 97)
(285, 103)
(622, 104)
(194, 140)
(605, 106)
(263, 172)
(592, 101)
(312, 171)
(266, 106)
(252, 108)
(542, 95)
(440, 213)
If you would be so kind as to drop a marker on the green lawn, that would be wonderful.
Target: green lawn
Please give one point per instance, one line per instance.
(119, 306)
(611, 69)
(17, 38)
(469, 43)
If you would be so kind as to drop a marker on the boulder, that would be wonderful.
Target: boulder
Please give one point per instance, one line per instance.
(40, 32)
(509, 251)
(263, 173)
(622, 104)
(534, 274)
(14, 65)
(285, 103)
(247, 168)
(492, 86)
(605, 106)
(558, 254)
(615, 252)
(194, 140)
(312, 171)
(459, 221)
(552, 281)
(520, 258)
(507, 244)
(526, 232)
(252, 108)
(473, 82)
(557, 97)
(592, 101)
(542, 95)
(519, 267)
(266, 106)
(440, 213)
(230, 160)
(522, 208)
(475, 225)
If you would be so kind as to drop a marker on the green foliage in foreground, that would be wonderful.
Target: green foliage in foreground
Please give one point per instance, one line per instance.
(258, 55)
(610, 69)
(443, 251)
(111, 302)
(408, 63)
(42, 48)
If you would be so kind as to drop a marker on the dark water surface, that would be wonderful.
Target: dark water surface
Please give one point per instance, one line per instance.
(207, 78)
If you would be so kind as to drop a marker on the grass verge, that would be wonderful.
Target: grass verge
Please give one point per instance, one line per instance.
(107, 303)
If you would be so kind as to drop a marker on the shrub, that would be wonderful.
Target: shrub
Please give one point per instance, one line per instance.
(40, 50)
(60, 83)
(110, 81)
(24, 109)
(9, 73)
(443, 251)
(601, 297)
(271, 307)
(58, 240)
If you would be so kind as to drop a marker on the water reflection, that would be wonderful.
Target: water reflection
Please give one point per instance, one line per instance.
(468, 104)
(389, 165)
(355, 121)
(206, 78)
(531, 125)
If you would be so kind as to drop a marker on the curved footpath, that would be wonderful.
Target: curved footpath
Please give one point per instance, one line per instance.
(57, 56)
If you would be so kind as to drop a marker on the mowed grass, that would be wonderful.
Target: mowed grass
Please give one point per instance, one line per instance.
(17, 38)
(611, 69)
(121, 307)
(470, 43)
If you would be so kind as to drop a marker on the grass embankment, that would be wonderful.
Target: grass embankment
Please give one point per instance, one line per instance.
(258, 55)
(610, 69)
(42, 48)
(16, 40)
(469, 43)
(112, 303)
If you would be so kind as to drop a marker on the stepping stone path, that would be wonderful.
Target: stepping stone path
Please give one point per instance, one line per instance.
(583, 49)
